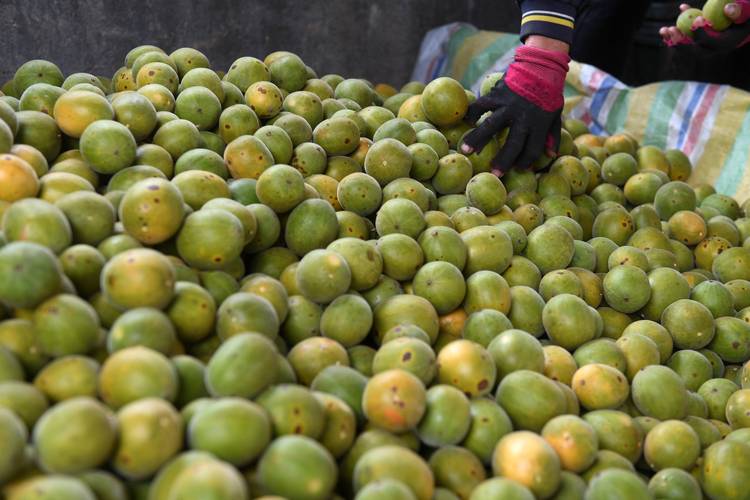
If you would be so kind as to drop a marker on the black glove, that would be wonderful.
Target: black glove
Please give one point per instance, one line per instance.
(533, 131)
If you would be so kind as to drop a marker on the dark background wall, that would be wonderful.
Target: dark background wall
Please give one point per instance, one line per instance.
(375, 39)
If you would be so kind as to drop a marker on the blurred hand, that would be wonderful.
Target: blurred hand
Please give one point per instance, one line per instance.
(704, 35)
(528, 100)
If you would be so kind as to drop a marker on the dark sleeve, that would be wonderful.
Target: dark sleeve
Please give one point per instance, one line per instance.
(550, 18)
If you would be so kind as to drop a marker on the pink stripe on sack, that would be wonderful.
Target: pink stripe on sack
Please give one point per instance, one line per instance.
(597, 77)
(697, 123)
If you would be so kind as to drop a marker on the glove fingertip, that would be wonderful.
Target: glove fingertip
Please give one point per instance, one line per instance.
(466, 149)
(505, 159)
(500, 170)
(698, 22)
(476, 139)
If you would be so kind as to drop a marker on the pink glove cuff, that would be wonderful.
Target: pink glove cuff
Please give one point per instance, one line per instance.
(745, 13)
(538, 75)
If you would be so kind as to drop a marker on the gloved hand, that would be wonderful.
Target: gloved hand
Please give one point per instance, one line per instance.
(529, 100)
(737, 35)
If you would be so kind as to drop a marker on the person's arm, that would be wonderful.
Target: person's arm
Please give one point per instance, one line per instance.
(529, 98)
(542, 42)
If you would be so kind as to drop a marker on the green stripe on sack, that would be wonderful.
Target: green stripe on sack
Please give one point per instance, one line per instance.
(456, 42)
(665, 102)
(618, 113)
(736, 163)
(484, 60)
(570, 90)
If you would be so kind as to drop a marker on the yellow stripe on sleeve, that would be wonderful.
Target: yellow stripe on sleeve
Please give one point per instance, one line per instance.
(547, 19)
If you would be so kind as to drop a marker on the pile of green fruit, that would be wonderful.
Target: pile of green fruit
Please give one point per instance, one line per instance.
(265, 284)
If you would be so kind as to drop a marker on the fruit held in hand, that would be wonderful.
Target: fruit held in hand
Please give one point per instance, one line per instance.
(685, 21)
